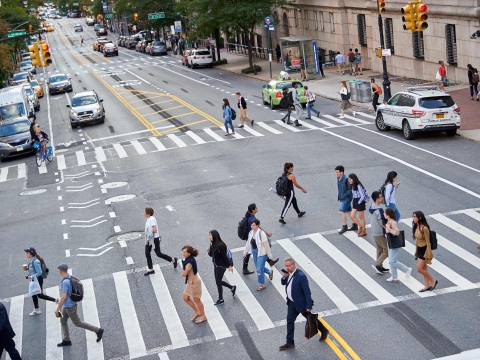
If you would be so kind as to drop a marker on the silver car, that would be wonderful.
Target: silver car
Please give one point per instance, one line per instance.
(15, 138)
(33, 96)
(86, 108)
(27, 66)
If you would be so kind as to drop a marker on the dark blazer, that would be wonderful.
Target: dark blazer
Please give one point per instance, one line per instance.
(242, 103)
(6, 331)
(344, 189)
(302, 297)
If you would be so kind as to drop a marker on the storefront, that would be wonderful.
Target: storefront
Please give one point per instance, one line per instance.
(295, 51)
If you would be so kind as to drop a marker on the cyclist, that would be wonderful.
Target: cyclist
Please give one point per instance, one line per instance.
(41, 137)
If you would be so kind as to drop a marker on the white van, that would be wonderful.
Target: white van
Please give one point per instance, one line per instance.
(14, 102)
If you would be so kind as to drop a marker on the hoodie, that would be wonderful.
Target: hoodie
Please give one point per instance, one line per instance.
(377, 220)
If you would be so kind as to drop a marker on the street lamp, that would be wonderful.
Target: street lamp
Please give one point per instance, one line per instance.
(386, 82)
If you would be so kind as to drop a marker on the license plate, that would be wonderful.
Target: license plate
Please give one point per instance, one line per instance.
(20, 148)
(440, 116)
(203, 57)
(60, 89)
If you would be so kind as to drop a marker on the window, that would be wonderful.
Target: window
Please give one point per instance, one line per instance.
(295, 15)
(389, 35)
(332, 22)
(322, 21)
(451, 44)
(362, 29)
(437, 102)
(315, 17)
(305, 19)
(418, 48)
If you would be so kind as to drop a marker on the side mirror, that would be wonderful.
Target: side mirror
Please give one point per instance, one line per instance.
(264, 86)
(101, 100)
(68, 105)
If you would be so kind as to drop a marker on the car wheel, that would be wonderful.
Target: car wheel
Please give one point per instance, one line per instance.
(380, 123)
(271, 104)
(407, 131)
(450, 133)
(73, 126)
(263, 100)
(188, 64)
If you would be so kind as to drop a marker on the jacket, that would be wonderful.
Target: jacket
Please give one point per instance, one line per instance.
(377, 220)
(35, 267)
(44, 134)
(149, 236)
(344, 189)
(6, 331)
(302, 297)
(242, 103)
(227, 113)
(296, 99)
(390, 194)
(219, 257)
(262, 244)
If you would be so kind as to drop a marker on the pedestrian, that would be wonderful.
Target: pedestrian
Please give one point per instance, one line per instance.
(442, 75)
(257, 245)
(278, 52)
(193, 288)
(345, 197)
(345, 104)
(377, 91)
(69, 310)
(340, 59)
(6, 335)
(207, 44)
(391, 227)
(34, 269)
(359, 201)
(152, 238)
(218, 252)
(303, 69)
(290, 199)
(320, 64)
(351, 61)
(473, 79)
(358, 62)
(296, 104)
(377, 225)
(227, 116)
(391, 192)
(299, 301)
(242, 105)
(423, 251)
(81, 40)
(310, 103)
(287, 103)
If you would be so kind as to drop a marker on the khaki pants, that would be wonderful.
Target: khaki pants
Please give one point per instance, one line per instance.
(71, 313)
(340, 67)
(304, 74)
(243, 116)
(382, 249)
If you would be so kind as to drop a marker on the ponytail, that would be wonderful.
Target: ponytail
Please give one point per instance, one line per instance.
(191, 250)
(40, 259)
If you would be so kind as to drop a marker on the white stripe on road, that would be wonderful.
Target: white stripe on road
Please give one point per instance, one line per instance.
(90, 315)
(328, 287)
(289, 127)
(177, 140)
(61, 162)
(3, 174)
(16, 320)
(138, 147)
(195, 137)
(366, 115)
(317, 119)
(309, 126)
(133, 333)
(163, 356)
(100, 154)
(157, 143)
(22, 171)
(331, 117)
(357, 120)
(214, 135)
(251, 131)
(120, 151)
(80, 158)
(167, 307)
(43, 168)
(53, 328)
(238, 136)
(269, 128)
(472, 213)
(472, 235)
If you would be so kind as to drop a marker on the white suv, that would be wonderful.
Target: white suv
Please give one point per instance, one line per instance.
(200, 57)
(419, 109)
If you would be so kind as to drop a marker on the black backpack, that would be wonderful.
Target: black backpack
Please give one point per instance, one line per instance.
(433, 240)
(282, 185)
(77, 289)
(230, 257)
(243, 228)
(234, 114)
(351, 57)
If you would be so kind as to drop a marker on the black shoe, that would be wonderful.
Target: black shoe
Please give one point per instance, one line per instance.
(65, 343)
(308, 118)
(283, 119)
(434, 286)
(324, 335)
(301, 213)
(378, 269)
(100, 334)
(253, 122)
(272, 262)
(247, 272)
(175, 263)
(297, 124)
(241, 126)
(219, 302)
(233, 289)
(289, 123)
(427, 289)
(383, 270)
(344, 229)
(282, 221)
(354, 227)
(286, 347)
(149, 273)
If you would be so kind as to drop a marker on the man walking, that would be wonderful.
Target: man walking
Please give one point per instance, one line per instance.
(340, 62)
(70, 309)
(296, 104)
(345, 197)
(299, 301)
(351, 61)
(242, 105)
(377, 223)
(287, 103)
(310, 103)
(6, 335)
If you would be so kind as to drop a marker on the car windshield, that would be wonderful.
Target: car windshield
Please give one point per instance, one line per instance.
(26, 63)
(202, 53)
(14, 128)
(28, 90)
(12, 111)
(84, 100)
(20, 76)
(288, 85)
(437, 102)
(34, 83)
(58, 78)
(109, 45)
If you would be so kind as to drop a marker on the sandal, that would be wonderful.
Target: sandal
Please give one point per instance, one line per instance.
(261, 287)
(270, 276)
(227, 134)
(201, 319)
(196, 317)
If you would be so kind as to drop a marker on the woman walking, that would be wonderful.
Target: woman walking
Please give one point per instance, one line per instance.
(290, 198)
(278, 53)
(287, 104)
(257, 245)
(358, 62)
(227, 116)
(34, 268)
(345, 105)
(152, 238)
(377, 91)
(473, 79)
(391, 192)
(423, 252)
(391, 227)
(218, 252)
(193, 289)
(358, 204)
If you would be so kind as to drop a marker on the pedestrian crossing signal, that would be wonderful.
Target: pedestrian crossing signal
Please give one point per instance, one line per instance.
(46, 55)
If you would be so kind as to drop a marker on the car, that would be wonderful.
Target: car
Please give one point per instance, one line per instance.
(27, 66)
(86, 108)
(110, 49)
(97, 27)
(21, 77)
(120, 41)
(200, 57)
(157, 48)
(49, 28)
(32, 95)
(90, 22)
(272, 93)
(56, 17)
(419, 109)
(26, 56)
(15, 138)
(132, 42)
(139, 44)
(59, 83)
(37, 87)
(101, 31)
(78, 27)
(99, 43)
(185, 57)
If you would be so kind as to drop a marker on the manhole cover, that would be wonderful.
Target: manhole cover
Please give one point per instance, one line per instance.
(120, 198)
(113, 185)
(127, 237)
(33, 192)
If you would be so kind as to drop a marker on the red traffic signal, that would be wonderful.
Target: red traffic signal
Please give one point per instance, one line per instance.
(45, 47)
(30, 27)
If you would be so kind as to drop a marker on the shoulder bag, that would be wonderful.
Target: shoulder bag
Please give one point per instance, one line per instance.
(395, 242)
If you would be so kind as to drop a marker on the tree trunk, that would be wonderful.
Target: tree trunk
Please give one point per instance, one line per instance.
(216, 33)
(248, 38)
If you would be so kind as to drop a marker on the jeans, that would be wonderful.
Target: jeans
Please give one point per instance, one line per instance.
(310, 108)
(148, 250)
(41, 296)
(71, 313)
(397, 212)
(260, 266)
(472, 88)
(375, 101)
(289, 112)
(9, 346)
(394, 264)
(229, 122)
(219, 272)
(292, 316)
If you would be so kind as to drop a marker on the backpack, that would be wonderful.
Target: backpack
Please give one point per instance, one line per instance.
(234, 114)
(365, 194)
(433, 240)
(77, 289)
(290, 98)
(351, 57)
(242, 230)
(44, 270)
(475, 77)
(230, 257)
(282, 185)
(358, 58)
(382, 191)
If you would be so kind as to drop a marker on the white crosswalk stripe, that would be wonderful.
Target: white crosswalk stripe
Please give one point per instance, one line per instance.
(42, 169)
(269, 128)
(179, 142)
(213, 134)
(195, 137)
(356, 119)
(120, 150)
(3, 174)
(321, 121)
(80, 158)
(61, 162)
(138, 147)
(100, 154)
(16, 320)
(288, 127)
(457, 227)
(54, 331)
(331, 117)
(90, 315)
(157, 143)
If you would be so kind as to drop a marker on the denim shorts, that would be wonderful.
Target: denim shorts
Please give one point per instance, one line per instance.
(345, 206)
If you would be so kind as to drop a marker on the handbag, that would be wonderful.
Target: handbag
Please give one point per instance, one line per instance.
(345, 97)
(395, 242)
(311, 99)
(34, 287)
(311, 327)
(438, 76)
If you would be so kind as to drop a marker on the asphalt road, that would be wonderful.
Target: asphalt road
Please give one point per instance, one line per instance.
(163, 145)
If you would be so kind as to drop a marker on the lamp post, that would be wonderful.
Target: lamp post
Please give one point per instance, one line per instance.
(386, 82)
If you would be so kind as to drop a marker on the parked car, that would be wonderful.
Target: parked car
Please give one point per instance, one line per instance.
(15, 138)
(419, 109)
(272, 93)
(101, 31)
(21, 77)
(132, 42)
(27, 66)
(144, 46)
(120, 41)
(78, 27)
(86, 108)
(200, 57)
(110, 49)
(32, 95)
(59, 83)
(158, 48)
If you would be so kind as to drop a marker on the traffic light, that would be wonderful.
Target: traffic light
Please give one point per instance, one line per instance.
(30, 28)
(378, 51)
(381, 6)
(409, 17)
(135, 17)
(421, 16)
(35, 56)
(46, 55)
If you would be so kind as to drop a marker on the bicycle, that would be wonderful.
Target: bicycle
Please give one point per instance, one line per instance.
(43, 152)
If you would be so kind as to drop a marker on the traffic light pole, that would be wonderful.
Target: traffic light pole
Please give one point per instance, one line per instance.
(386, 82)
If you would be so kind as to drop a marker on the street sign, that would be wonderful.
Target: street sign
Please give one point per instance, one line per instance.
(178, 26)
(156, 16)
(269, 26)
(74, 4)
(268, 20)
(386, 52)
(109, 16)
(17, 33)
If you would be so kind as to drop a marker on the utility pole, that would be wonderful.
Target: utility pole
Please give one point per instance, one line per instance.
(386, 82)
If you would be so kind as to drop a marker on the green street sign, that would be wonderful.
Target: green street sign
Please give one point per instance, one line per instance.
(109, 16)
(75, 4)
(156, 16)
(16, 33)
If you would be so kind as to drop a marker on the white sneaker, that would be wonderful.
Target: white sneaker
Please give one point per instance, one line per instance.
(408, 273)
(342, 117)
(354, 114)
(390, 279)
(35, 312)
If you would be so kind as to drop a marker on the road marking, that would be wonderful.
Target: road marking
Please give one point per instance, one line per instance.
(162, 110)
(120, 151)
(129, 260)
(469, 234)
(289, 127)
(214, 135)
(42, 169)
(138, 147)
(117, 229)
(61, 162)
(195, 137)
(472, 213)
(16, 320)
(22, 171)
(251, 131)
(90, 315)
(269, 128)
(331, 117)
(3, 174)
(100, 154)
(87, 226)
(310, 126)
(357, 120)
(86, 221)
(80, 158)
(122, 243)
(65, 236)
(366, 115)
(342, 342)
(53, 328)
(157, 144)
(177, 140)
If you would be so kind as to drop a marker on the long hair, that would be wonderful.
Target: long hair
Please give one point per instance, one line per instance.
(41, 259)
(390, 176)
(217, 242)
(421, 221)
(286, 167)
(356, 182)
(226, 102)
(344, 84)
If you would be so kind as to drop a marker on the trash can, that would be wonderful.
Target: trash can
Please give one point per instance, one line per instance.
(364, 93)
(353, 90)
(212, 51)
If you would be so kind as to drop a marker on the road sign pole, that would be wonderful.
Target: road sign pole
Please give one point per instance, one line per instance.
(269, 50)
(386, 82)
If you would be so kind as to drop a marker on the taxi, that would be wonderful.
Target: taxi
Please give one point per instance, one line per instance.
(50, 28)
(37, 87)
(99, 43)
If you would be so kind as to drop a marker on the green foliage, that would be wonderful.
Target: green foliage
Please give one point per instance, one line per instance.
(250, 69)
(220, 62)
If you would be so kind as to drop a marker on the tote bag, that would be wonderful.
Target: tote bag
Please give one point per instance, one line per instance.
(34, 287)
(395, 242)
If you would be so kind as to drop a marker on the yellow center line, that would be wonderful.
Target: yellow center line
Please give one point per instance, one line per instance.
(131, 102)
(159, 111)
(191, 107)
(342, 342)
(179, 127)
(160, 102)
(173, 117)
(61, 38)
(335, 349)
(144, 121)
(78, 59)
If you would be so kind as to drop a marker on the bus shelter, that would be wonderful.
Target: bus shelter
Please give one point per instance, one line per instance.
(296, 48)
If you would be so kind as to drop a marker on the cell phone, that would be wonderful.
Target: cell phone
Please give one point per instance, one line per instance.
(284, 271)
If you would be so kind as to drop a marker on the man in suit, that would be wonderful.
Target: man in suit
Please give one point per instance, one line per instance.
(6, 335)
(299, 301)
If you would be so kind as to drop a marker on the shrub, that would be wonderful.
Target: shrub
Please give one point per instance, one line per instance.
(249, 70)
(220, 62)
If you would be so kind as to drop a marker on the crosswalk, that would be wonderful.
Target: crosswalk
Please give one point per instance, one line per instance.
(143, 146)
(341, 281)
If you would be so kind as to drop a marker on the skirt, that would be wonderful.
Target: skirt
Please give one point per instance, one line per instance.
(193, 287)
(345, 105)
(421, 252)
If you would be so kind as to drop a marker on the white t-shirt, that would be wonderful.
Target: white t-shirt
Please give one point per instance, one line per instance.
(151, 221)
